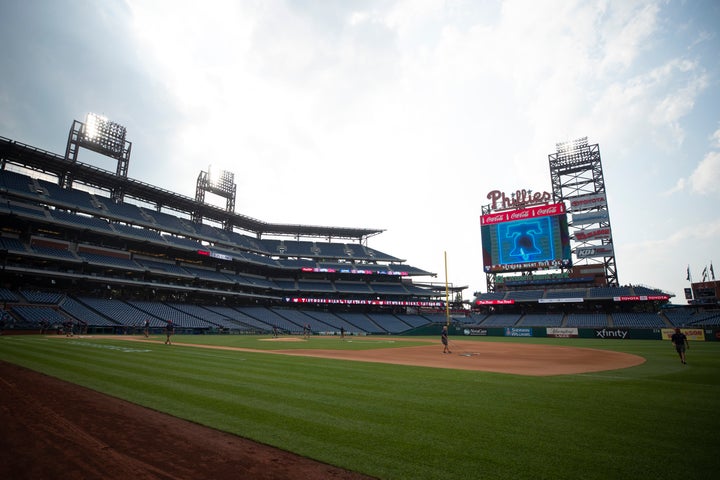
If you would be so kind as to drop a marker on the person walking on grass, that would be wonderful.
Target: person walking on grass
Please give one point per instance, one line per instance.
(169, 330)
(680, 341)
(444, 339)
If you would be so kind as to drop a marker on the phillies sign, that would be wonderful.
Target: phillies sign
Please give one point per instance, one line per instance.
(518, 199)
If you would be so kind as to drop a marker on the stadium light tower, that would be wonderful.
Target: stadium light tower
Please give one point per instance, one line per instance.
(102, 136)
(577, 179)
(223, 186)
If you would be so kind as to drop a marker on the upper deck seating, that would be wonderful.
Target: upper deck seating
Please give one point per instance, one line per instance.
(170, 223)
(128, 212)
(541, 320)
(587, 320)
(352, 287)
(184, 242)
(81, 221)
(575, 293)
(210, 233)
(138, 232)
(18, 184)
(72, 198)
(57, 253)
(501, 320)
(638, 320)
(12, 244)
(387, 288)
(28, 210)
(316, 286)
(166, 268)
(608, 292)
(110, 261)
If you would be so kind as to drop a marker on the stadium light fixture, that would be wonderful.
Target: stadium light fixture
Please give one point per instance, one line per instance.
(104, 136)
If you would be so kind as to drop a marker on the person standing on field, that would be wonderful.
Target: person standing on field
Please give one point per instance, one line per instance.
(169, 330)
(444, 339)
(680, 341)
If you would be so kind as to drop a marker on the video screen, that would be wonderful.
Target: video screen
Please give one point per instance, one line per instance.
(534, 238)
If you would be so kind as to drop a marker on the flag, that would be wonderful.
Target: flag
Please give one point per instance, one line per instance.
(704, 274)
(688, 273)
(712, 272)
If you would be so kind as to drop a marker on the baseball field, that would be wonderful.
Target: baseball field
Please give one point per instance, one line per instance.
(232, 406)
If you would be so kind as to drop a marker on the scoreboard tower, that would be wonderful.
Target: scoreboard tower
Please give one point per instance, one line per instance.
(577, 180)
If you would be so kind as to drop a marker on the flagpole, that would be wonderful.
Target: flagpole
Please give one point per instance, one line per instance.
(447, 293)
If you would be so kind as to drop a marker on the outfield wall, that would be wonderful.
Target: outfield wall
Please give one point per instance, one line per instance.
(605, 333)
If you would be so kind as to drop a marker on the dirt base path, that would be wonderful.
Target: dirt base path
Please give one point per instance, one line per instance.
(53, 429)
(500, 357)
(514, 358)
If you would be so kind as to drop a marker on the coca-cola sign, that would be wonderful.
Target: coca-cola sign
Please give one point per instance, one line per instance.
(524, 214)
(518, 199)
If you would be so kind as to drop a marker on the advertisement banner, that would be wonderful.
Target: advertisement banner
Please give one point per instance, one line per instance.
(692, 334)
(592, 252)
(621, 333)
(518, 332)
(592, 234)
(495, 302)
(561, 300)
(585, 202)
(641, 298)
(590, 217)
(524, 214)
(474, 331)
(562, 332)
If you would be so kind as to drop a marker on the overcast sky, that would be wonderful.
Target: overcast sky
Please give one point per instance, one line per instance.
(397, 115)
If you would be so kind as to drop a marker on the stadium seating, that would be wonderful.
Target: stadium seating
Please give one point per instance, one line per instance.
(236, 281)
(541, 320)
(501, 320)
(587, 320)
(638, 320)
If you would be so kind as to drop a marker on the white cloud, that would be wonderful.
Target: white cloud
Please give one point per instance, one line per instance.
(706, 177)
(678, 187)
(715, 138)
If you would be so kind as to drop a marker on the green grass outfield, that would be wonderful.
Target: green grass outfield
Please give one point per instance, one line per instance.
(659, 420)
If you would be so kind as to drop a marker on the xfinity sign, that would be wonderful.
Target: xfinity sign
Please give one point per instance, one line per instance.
(620, 333)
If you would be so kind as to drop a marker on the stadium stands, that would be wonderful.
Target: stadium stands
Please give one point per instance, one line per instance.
(112, 261)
